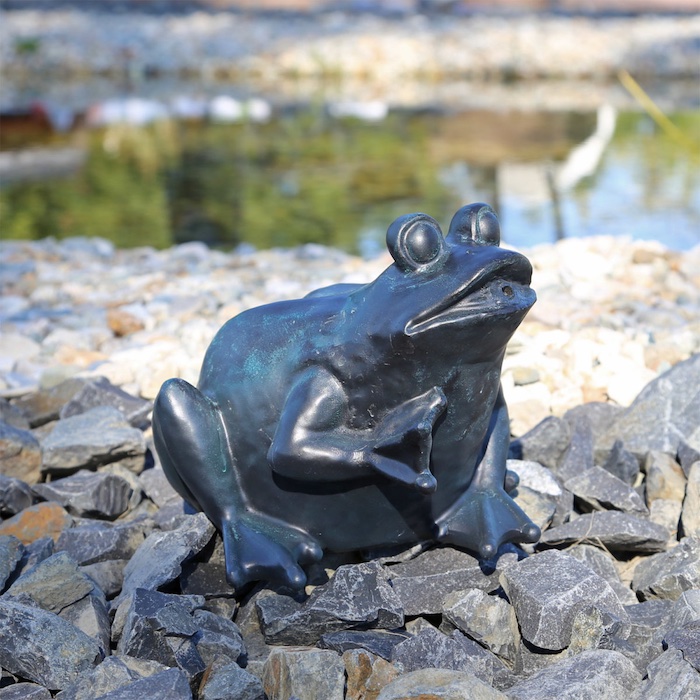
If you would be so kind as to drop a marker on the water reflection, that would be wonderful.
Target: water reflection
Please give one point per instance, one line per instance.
(228, 171)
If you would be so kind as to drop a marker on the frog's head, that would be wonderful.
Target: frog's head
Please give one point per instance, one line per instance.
(461, 289)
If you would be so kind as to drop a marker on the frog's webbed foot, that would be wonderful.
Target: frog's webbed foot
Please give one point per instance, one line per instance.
(259, 548)
(483, 519)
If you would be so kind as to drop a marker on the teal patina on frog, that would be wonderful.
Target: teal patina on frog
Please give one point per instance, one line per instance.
(361, 415)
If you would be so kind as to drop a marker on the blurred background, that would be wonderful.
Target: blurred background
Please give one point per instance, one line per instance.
(281, 122)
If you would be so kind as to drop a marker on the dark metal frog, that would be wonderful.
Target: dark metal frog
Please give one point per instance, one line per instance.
(361, 415)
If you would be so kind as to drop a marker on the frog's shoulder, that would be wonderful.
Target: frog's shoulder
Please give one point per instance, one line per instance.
(333, 290)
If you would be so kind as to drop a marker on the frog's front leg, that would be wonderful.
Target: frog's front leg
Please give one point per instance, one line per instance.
(314, 442)
(193, 446)
(485, 516)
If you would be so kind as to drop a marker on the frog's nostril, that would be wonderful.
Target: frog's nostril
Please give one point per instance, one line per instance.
(507, 290)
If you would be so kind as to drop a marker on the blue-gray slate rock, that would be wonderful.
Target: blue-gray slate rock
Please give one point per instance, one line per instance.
(615, 530)
(11, 552)
(218, 640)
(20, 453)
(98, 542)
(99, 436)
(579, 455)
(159, 559)
(423, 583)
(666, 412)
(24, 691)
(668, 574)
(208, 577)
(601, 490)
(604, 565)
(44, 406)
(15, 495)
(12, 415)
(378, 642)
(621, 463)
(40, 646)
(548, 590)
(598, 673)
(358, 596)
(231, 682)
(648, 620)
(91, 615)
(89, 494)
(671, 677)
(546, 443)
(687, 640)
(171, 684)
(304, 674)
(108, 575)
(99, 391)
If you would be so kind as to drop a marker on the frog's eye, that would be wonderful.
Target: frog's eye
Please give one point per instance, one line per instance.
(478, 223)
(415, 240)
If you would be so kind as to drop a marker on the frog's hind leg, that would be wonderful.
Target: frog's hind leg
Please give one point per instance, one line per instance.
(194, 449)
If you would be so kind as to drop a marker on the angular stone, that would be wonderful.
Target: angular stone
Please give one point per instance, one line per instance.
(12, 415)
(218, 640)
(53, 584)
(664, 478)
(690, 517)
(20, 454)
(668, 574)
(90, 615)
(89, 494)
(684, 610)
(593, 628)
(305, 674)
(439, 684)
(615, 530)
(540, 494)
(546, 443)
(157, 487)
(99, 391)
(100, 542)
(160, 627)
(44, 406)
(111, 674)
(647, 623)
(667, 514)
(159, 559)
(548, 589)
(24, 691)
(107, 575)
(604, 565)
(488, 619)
(675, 396)
(600, 490)
(248, 622)
(208, 577)
(357, 596)
(671, 677)
(229, 682)
(15, 496)
(41, 520)
(11, 552)
(687, 640)
(41, 647)
(579, 455)
(622, 463)
(600, 673)
(99, 436)
(367, 674)
(171, 684)
(423, 583)
(377, 642)
(688, 454)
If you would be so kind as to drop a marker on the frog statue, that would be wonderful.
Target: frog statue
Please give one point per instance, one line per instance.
(360, 416)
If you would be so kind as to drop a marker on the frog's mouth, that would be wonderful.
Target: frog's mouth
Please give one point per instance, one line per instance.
(498, 290)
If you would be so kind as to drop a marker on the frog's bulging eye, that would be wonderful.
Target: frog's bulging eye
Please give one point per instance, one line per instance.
(476, 223)
(414, 241)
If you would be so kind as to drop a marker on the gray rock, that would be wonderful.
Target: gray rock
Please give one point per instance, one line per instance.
(665, 479)
(41, 647)
(684, 610)
(488, 619)
(647, 624)
(231, 682)
(604, 565)
(160, 627)
(20, 454)
(99, 542)
(593, 628)
(423, 583)
(357, 596)
(540, 480)
(687, 455)
(305, 674)
(171, 684)
(546, 443)
(687, 640)
(208, 577)
(99, 391)
(579, 455)
(378, 642)
(24, 691)
(600, 490)
(89, 494)
(548, 589)
(668, 574)
(675, 396)
(15, 495)
(671, 678)
(598, 673)
(366, 674)
(622, 463)
(43, 406)
(218, 639)
(111, 674)
(53, 584)
(690, 516)
(12, 415)
(615, 530)
(99, 436)
(107, 575)
(248, 622)
(157, 487)
(90, 615)
(439, 684)
(11, 552)
(598, 416)
(159, 559)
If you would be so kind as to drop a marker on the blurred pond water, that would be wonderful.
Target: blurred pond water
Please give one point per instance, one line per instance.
(339, 177)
